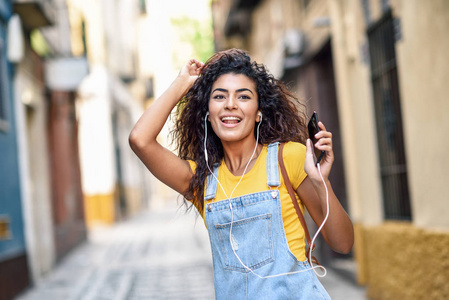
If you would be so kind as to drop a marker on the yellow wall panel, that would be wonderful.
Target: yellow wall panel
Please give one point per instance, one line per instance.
(99, 209)
(405, 262)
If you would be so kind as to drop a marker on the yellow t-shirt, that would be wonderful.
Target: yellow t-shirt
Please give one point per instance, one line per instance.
(255, 180)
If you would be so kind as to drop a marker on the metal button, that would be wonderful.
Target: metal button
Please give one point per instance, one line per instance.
(209, 207)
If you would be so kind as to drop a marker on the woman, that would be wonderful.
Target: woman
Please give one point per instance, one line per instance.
(230, 115)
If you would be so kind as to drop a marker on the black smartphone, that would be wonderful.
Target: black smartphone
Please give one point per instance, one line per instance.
(314, 129)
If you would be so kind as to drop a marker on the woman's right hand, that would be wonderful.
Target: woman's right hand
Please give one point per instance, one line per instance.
(190, 71)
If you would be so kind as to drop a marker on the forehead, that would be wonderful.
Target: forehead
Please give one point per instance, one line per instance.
(232, 81)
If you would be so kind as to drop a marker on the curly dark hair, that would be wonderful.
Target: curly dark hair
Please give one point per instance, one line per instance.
(283, 115)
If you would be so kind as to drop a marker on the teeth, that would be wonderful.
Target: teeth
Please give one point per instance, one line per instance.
(230, 119)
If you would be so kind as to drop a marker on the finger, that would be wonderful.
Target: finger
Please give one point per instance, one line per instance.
(323, 142)
(323, 134)
(321, 125)
(309, 147)
(309, 154)
(194, 63)
(326, 148)
(200, 66)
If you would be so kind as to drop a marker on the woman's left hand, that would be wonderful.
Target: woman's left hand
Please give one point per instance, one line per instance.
(324, 143)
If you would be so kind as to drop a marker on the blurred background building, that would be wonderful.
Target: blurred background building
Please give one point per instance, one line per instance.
(75, 77)
(76, 74)
(41, 210)
(112, 178)
(376, 73)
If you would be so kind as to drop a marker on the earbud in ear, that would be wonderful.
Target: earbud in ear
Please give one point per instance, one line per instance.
(259, 114)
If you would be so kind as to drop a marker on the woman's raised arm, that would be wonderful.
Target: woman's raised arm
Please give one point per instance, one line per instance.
(165, 165)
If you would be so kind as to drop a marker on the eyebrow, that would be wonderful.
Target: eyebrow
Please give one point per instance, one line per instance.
(226, 91)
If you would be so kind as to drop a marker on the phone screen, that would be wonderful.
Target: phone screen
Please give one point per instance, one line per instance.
(314, 129)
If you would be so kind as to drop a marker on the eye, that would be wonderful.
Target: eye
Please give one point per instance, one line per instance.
(245, 97)
(218, 97)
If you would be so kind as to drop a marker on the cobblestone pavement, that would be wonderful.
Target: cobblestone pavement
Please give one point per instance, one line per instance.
(162, 254)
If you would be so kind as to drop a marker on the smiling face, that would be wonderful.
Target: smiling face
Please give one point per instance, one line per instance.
(233, 107)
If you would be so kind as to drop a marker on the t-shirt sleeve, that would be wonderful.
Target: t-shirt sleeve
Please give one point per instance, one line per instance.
(192, 165)
(294, 158)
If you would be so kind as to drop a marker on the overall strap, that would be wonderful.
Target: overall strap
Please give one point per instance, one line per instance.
(295, 203)
(211, 184)
(272, 165)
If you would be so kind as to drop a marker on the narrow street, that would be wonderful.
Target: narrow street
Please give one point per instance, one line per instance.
(159, 254)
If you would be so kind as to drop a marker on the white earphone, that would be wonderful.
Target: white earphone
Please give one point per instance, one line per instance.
(205, 139)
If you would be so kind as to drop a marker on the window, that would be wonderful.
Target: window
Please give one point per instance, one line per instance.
(387, 107)
(142, 7)
(366, 11)
(306, 3)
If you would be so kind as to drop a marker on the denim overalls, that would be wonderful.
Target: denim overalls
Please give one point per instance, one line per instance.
(259, 240)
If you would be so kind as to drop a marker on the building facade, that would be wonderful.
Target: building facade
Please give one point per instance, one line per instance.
(66, 111)
(62, 74)
(375, 73)
(113, 180)
(14, 268)
(42, 118)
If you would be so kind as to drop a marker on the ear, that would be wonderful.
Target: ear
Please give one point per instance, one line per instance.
(259, 116)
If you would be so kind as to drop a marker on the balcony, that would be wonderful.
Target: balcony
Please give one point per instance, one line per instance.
(35, 13)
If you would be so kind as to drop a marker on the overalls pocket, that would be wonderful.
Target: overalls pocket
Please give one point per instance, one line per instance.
(252, 241)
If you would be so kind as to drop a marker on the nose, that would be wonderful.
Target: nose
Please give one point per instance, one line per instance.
(231, 102)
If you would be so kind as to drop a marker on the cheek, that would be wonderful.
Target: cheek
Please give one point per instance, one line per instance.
(210, 110)
(208, 106)
(213, 108)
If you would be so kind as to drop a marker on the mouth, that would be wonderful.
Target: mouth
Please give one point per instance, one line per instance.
(230, 120)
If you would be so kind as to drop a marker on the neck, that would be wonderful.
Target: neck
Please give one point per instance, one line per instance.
(238, 155)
